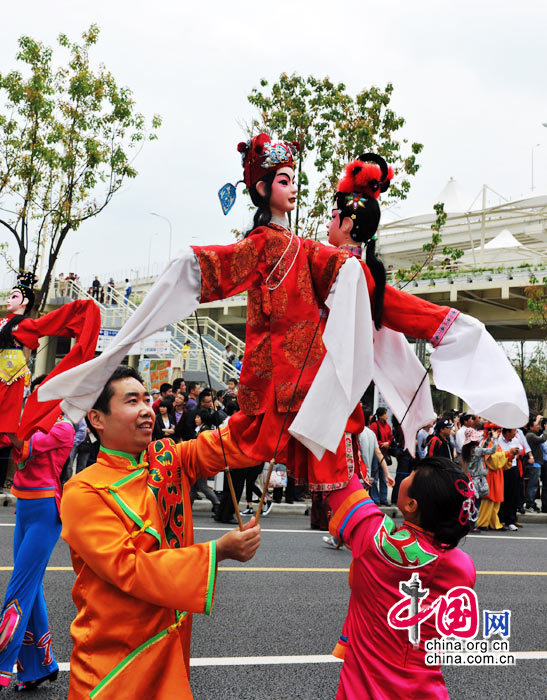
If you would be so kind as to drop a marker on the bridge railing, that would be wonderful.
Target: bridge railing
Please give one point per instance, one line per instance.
(219, 333)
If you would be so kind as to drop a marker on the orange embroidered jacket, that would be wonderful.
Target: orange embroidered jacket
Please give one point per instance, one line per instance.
(139, 576)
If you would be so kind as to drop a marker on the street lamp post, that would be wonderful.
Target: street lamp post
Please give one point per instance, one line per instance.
(149, 252)
(152, 213)
(70, 261)
(533, 147)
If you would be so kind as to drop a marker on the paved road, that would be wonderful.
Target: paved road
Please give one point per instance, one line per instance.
(284, 614)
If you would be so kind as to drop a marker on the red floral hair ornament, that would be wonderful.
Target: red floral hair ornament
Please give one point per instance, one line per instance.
(468, 510)
(260, 155)
(368, 175)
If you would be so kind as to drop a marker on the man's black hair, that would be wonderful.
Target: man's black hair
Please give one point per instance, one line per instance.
(176, 384)
(234, 380)
(190, 386)
(122, 372)
(203, 394)
(165, 387)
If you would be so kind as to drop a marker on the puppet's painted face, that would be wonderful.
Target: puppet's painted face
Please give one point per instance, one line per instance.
(283, 197)
(337, 235)
(17, 304)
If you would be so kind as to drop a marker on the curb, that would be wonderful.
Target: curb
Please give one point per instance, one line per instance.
(7, 499)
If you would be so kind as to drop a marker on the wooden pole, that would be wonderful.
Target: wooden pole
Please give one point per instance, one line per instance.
(233, 494)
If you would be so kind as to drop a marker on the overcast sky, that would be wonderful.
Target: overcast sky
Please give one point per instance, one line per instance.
(469, 78)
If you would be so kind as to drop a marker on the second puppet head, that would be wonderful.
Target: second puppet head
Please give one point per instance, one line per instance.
(364, 179)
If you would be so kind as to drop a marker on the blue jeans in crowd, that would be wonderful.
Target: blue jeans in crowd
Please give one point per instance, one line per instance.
(378, 474)
(532, 473)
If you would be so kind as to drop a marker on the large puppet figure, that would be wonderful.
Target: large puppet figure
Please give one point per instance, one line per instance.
(42, 444)
(19, 335)
(14, 373)
(309, 352)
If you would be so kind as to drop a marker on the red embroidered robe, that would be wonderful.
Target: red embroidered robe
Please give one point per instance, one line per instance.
(80, 320)
(287, 280)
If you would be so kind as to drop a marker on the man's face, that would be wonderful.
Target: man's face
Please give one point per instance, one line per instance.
(16, 304)
(231, 386)
(178, 403)
(206, 402)
(168, 392)
(195, 391)
(445, 432)
(182, 387)
(510, 434)
(128, 426)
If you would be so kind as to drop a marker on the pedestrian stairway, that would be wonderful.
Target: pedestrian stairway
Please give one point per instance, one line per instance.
(116, 310)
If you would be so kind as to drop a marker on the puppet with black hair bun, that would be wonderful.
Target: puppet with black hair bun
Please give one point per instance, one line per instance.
(356, 200)
(312, 343)
(19, 335)
(14, 372)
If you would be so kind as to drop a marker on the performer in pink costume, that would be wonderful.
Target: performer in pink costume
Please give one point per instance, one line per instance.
(380, 662)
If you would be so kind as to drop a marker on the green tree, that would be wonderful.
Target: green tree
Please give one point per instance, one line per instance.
(536, 299)
(532, 370)
(332, 127)
(66, 140)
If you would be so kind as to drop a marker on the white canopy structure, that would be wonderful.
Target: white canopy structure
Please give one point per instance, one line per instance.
(504, 239)
(472, 229)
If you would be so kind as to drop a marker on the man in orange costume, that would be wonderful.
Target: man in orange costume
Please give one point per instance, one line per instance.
(139, 576)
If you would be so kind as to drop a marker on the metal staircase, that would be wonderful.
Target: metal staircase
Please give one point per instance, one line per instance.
(117, 310)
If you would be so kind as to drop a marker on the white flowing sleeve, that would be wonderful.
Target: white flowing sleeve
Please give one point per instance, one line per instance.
(174, 296)
(468, 362)
(403, 382)
(346, 369)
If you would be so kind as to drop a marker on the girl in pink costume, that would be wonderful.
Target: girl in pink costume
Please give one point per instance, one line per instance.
(379, 661)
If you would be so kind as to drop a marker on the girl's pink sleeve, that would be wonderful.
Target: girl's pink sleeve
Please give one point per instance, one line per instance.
(355, 516)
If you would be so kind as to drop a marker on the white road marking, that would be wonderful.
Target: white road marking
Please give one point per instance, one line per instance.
(301, 659)
(503, 537)
(305, 532)
(493, 537)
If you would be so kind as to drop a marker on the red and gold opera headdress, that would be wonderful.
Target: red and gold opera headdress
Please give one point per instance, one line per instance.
(357, 193)
(259, 157)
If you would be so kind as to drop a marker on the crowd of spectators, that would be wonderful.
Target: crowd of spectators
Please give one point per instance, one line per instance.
(185, 409)
(469, 441)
